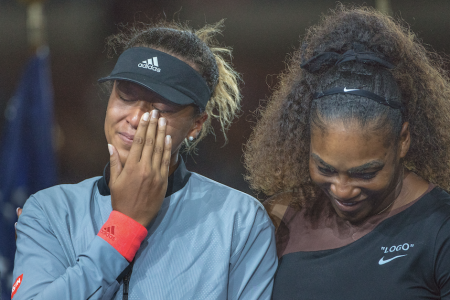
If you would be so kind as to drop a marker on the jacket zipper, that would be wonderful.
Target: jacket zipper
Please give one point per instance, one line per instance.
(126, 282)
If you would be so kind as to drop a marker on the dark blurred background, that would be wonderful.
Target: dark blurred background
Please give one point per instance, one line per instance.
(261, 33)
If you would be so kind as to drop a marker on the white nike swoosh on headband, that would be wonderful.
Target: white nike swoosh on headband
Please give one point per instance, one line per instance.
(346, 90)
(382, 261)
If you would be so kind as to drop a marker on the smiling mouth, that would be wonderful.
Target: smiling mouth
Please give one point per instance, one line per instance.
(347, 203)
(347, 206)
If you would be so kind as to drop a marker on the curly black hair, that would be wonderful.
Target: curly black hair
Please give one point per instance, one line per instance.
(277, 153)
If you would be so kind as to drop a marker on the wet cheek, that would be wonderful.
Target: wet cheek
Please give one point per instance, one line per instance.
(112, 118)
(116, 114)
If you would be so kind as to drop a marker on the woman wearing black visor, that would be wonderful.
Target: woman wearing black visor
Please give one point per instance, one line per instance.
(149, 228)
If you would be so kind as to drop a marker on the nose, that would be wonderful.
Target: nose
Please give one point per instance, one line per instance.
(343, 189)
(135, 115)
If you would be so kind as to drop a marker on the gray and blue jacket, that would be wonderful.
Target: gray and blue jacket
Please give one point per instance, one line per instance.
(208, 241)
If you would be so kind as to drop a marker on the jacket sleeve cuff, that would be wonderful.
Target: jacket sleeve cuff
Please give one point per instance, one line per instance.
(123, 233)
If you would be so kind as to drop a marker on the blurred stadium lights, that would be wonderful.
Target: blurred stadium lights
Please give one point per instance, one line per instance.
(384, 6)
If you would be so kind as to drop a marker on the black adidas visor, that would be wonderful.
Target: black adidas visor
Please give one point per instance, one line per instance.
(162, 73)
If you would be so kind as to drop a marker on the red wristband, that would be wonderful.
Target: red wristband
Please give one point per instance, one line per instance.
(123, 233)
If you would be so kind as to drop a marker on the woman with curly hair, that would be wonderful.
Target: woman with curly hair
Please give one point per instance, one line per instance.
(149, 228)
(354, 150)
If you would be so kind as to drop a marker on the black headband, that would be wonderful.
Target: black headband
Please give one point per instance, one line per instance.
(332, 58)
(362, 93)
(169, 77)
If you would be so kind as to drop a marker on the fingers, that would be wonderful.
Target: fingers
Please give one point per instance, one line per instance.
(138, 140)
(18, 213)
(150, 138)
(114, 164)
(148, 143)
(159, 146)
(166, 157)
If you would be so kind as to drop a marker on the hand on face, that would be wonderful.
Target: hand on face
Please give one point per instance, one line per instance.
(129, 101)
(138, 188)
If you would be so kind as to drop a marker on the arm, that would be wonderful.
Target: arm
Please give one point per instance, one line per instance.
(45, 271)
(42, 268)
(442, 260)
(253, 264)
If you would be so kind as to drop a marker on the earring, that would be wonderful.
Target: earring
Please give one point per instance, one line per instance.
(191, 138)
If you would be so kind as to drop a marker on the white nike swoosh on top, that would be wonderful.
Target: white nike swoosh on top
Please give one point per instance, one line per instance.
(382, 261)
(349, 90)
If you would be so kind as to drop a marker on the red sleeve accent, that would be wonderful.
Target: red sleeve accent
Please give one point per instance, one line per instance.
(123, 233)
(16, 285)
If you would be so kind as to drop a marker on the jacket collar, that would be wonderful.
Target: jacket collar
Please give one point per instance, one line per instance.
(176, 181)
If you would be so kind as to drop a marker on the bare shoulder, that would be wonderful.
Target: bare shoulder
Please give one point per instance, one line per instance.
(277, 205)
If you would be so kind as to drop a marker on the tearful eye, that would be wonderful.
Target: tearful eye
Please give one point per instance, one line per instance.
(125, 99)
(162, 111)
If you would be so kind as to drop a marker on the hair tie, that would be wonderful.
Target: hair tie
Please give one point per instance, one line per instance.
(333, 58)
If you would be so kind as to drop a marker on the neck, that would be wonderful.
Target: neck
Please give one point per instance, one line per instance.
(174, 162)
(412, 188)
(409, 189)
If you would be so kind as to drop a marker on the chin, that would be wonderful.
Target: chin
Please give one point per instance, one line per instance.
(354, 217)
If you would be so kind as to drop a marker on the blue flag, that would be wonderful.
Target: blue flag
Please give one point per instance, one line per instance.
(27, 159)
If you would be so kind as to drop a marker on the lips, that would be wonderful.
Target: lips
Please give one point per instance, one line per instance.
(346, 206)
(347, 203)
(126, 137)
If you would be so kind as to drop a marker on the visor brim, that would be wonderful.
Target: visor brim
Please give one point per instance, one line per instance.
(165, 91)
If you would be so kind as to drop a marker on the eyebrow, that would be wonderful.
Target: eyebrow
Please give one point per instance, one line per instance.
(375, 164)
(317, 158)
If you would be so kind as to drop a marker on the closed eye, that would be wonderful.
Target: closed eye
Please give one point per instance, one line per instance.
(125, 99)
(162, 111)
(364, 176)
(326, 171)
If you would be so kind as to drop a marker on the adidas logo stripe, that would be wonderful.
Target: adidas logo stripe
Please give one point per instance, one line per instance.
(151, 64)
(109, 232)
(152, 61)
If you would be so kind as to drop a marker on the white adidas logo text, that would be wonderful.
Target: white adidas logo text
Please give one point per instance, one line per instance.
(151, 64)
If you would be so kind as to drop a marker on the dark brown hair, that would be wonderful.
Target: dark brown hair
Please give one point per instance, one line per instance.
(277, 153)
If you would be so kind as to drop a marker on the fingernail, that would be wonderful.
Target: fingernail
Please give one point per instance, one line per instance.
(145, 116)
(162, 122)
(154, 114)
(168, 138)
(17, 210)
(110, 149)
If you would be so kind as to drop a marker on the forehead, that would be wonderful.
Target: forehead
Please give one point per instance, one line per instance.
(348, 145)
